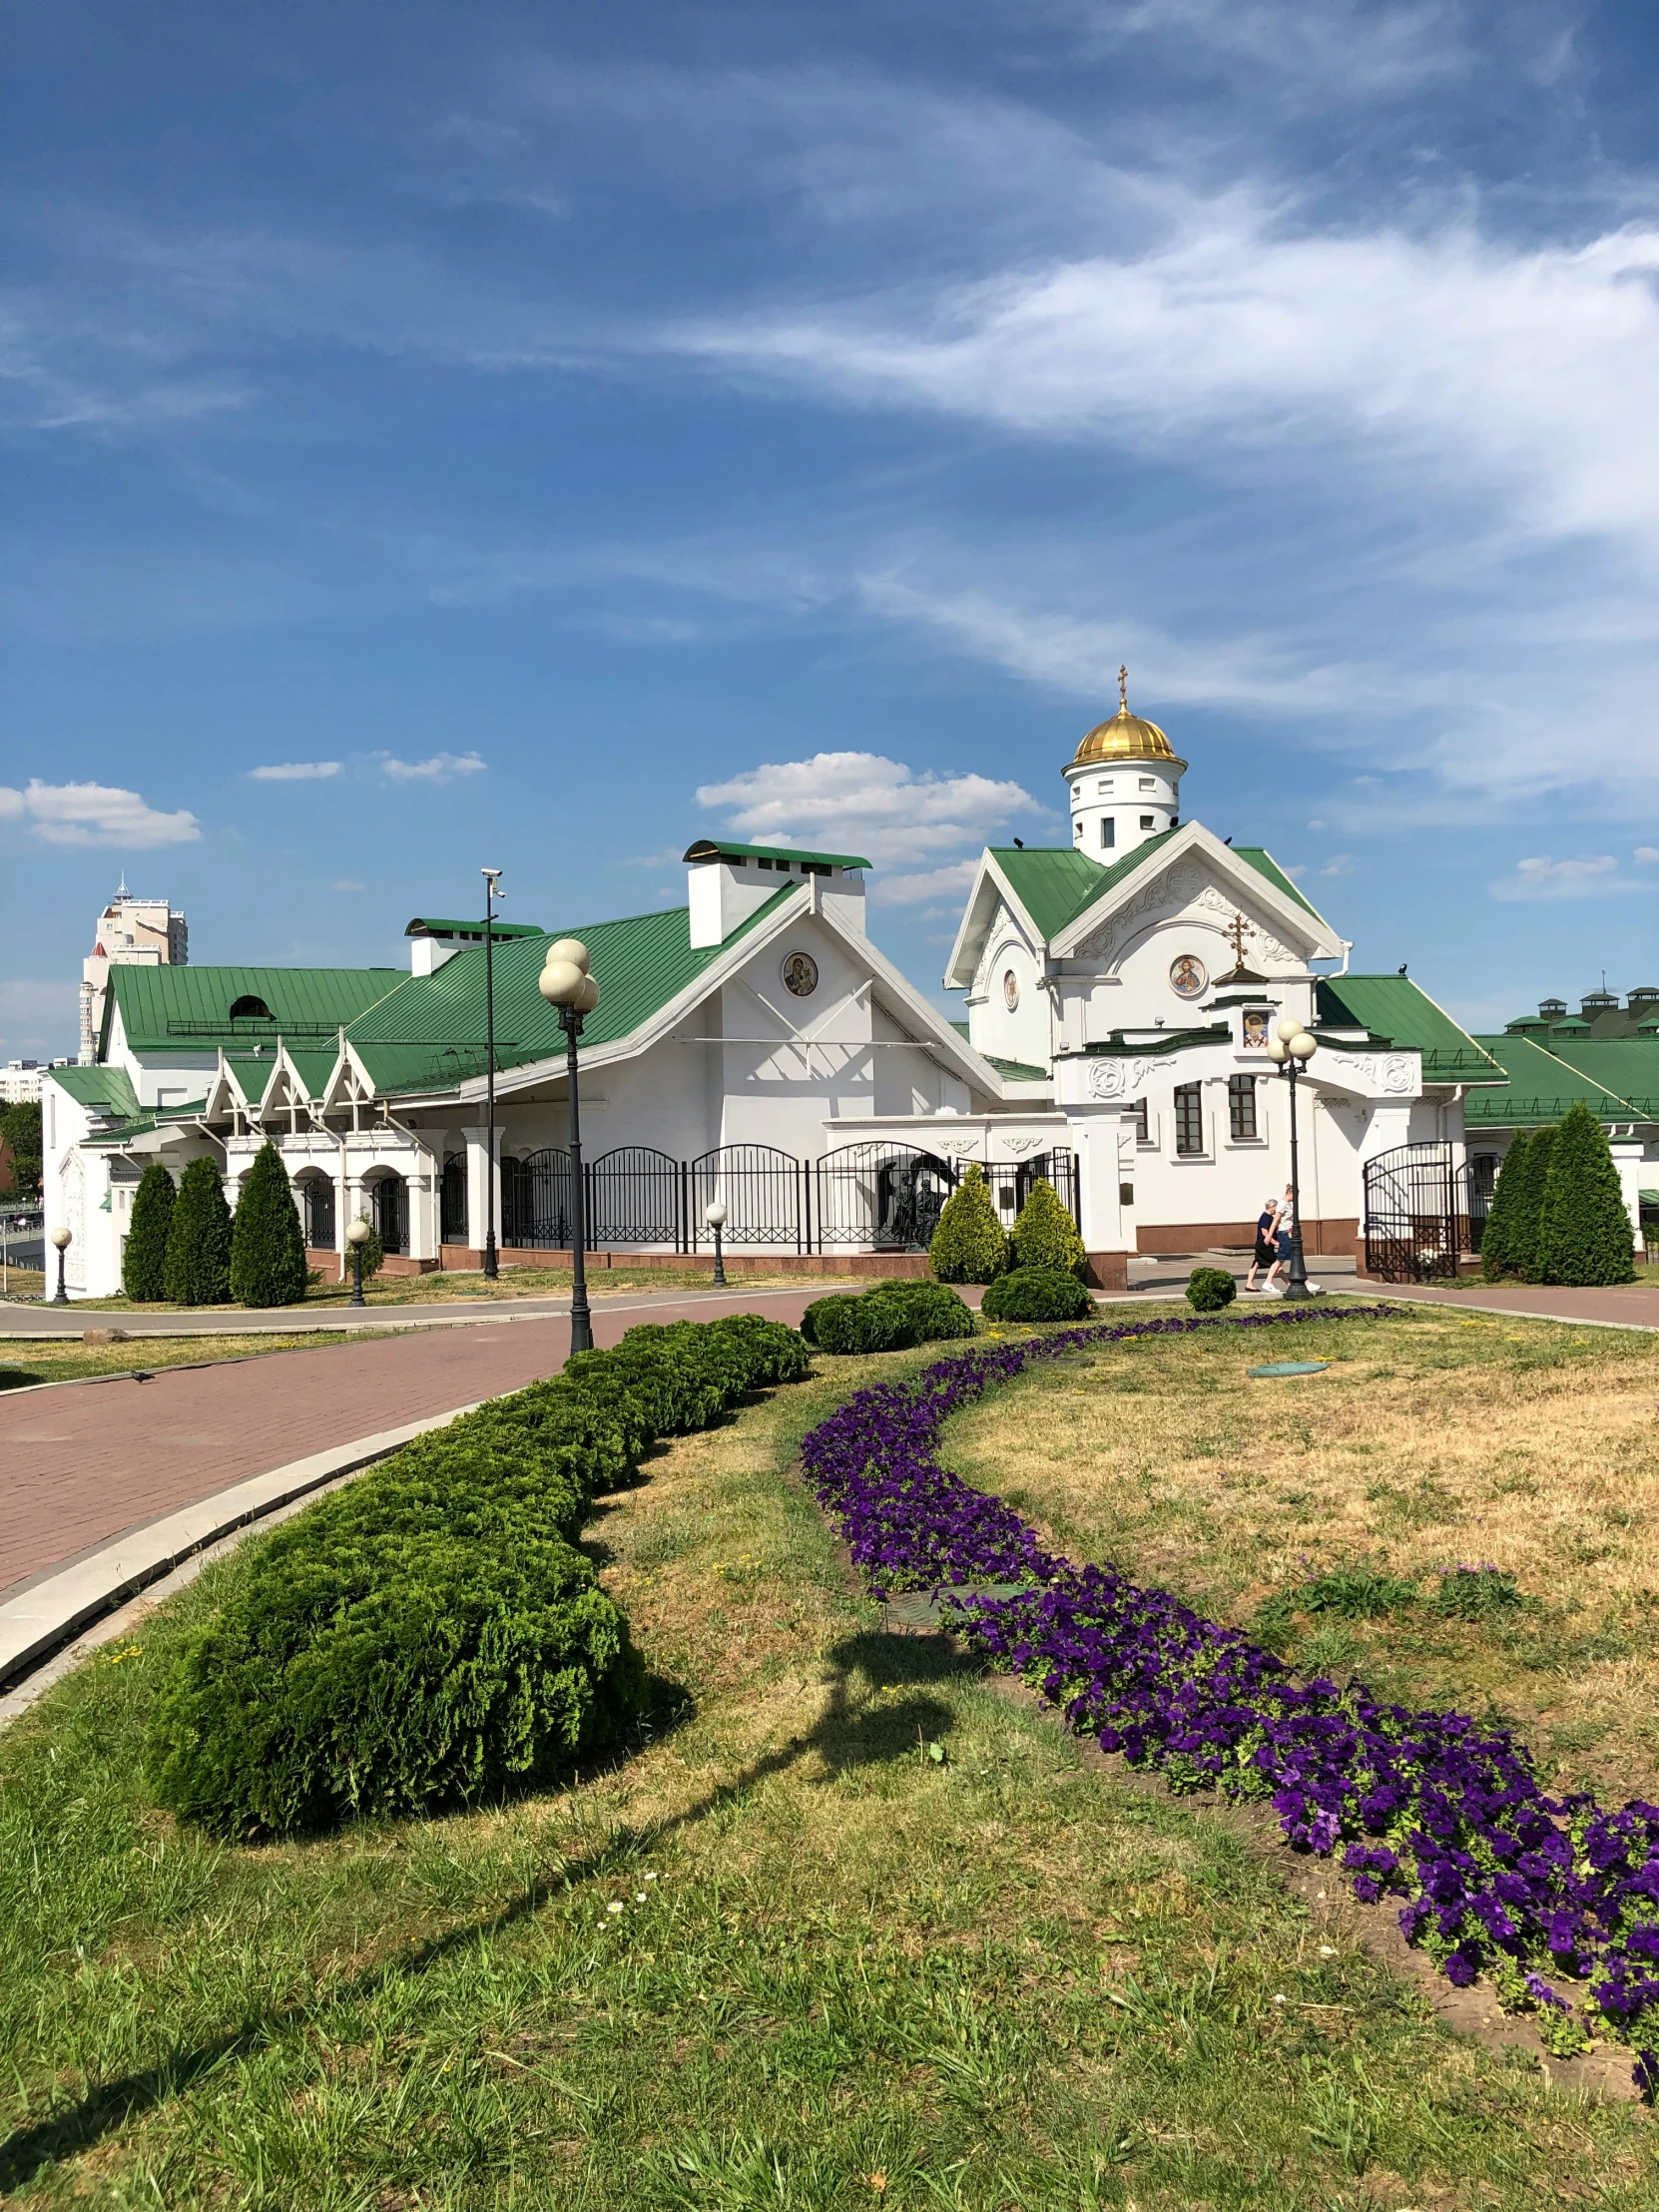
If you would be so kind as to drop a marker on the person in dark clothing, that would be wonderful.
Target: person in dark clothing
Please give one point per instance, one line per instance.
(1267, 1250)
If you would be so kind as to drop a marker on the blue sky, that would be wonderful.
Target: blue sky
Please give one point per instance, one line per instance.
(565, 431)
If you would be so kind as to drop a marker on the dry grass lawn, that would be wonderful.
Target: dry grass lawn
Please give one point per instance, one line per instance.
(1435, 1439)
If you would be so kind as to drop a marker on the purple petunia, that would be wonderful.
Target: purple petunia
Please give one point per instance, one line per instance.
(1428, 1805)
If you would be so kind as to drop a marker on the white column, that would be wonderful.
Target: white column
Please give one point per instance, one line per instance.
(1627, 1158)
(1095, 1138)
(479, 1174)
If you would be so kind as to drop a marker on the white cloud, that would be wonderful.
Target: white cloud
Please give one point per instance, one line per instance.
(346, 883)
(295, 772)
(439, 769)
(1333, 49)
(1542, 877)
(867, 803)
(1340, 864)
(1647, 854)
(96, 813)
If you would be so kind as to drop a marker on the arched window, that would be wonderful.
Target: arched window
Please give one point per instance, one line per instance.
(249, 1008)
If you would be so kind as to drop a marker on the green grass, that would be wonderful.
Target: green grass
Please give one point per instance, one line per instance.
(440, 1286)
(883, 1938)
(67, 1360)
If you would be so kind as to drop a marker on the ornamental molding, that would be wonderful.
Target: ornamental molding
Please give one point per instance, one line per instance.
(1118, 1078)
(1266, 945)
(1174, 887)
(1392, 1074)
(1020, 1144)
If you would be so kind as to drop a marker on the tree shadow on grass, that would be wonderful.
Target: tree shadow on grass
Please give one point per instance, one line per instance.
(899, 1721)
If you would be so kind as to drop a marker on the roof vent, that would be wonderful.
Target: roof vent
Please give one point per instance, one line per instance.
(249, 1008)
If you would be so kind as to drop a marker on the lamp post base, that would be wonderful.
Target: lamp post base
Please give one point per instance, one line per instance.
(492, 1267)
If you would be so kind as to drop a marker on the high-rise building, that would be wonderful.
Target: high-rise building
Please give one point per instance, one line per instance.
(140, 932)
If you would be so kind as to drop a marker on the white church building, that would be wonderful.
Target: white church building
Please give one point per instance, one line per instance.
(754, 1044)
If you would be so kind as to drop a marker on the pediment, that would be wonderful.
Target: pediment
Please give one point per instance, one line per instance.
(1201, 882)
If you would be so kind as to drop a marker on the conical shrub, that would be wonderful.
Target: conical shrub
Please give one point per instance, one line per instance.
(1500, 1258)
(143, 1262)
(267, 1244)
(1530, 1200)
(1584, 1232)
(197, 1269)
(1045, 1236)
(969, 1244)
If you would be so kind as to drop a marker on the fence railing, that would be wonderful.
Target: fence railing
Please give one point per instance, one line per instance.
(871, 1197)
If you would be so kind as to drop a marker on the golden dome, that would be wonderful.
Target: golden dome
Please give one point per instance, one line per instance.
(1124, 737)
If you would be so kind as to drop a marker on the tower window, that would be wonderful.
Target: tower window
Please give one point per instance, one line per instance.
(1189, 1118)
(1077, 828)
(1105, 788)
(1241, 1108)
(1149, 783)
(1148, 822)
(1108, 831)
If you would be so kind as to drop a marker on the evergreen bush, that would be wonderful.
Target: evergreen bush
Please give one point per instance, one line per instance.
(1209, 1289)
(889, 1318)
(429, 1633)
(1530, 1200)
(143, 1262)
(1045, 1236)
(969, 1244)
(268, 1243)
(1500, 1257)
(1584, 1230)
(374, 1255)
(198, 1268)
(1037, 1293)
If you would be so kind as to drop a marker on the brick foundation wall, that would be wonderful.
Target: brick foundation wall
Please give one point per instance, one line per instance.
(1328, 1238)
(328, 1264)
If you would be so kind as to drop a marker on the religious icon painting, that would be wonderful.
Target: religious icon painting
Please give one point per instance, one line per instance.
(1255, 1028)
(1011, 990)
(1188, 976)
(800, 975)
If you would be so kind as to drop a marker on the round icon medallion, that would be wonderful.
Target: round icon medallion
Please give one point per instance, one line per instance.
(1188, 976)
(800, 975)
(1011, 990)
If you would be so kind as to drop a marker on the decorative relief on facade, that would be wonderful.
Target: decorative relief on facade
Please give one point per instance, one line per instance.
(1174, 888)
(1395, 1074)
(1118, 1078)
(1020, 1144)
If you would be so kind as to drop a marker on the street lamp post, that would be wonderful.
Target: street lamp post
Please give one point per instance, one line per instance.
(566, 985)
(1292, 1049)
(62, 1239)
(357, 1234)
(714, 1216)
(492, 891)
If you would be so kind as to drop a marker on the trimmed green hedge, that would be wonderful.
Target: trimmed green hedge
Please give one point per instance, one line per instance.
(1209, 1289)
(1036, 1294)
(970, 1244)
(429, 1633)
(1045, 1236)
(890, 1318)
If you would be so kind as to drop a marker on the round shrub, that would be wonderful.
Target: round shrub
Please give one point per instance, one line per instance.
(1036, 1294)
(268, 1245)
(969, 1244)
(143, 1260)
(1045, 1236)
(1209, 1289)
(892, 1316)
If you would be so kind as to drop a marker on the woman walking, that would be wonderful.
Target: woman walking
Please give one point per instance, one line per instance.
(1266, 1250)
(1284, 1230)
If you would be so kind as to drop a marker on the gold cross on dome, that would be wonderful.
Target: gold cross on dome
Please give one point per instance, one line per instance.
(1123, 687)
(1236, 936)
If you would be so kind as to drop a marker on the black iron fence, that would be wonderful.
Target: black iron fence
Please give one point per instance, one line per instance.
(871, 1197)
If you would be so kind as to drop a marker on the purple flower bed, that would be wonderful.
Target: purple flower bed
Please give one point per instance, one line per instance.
(1495, 1875)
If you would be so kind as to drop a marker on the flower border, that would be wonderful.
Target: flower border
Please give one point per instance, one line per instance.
(1496, 1875)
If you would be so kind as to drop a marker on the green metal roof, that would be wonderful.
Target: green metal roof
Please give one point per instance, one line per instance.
(1056, 884)
(184, 1007)
(1399, 1012)
(1542, 1085)
(313, 1069)
(1011, 1071)
(429, 1031)
(712, 849)
(429, 926)
(1626, 1066)
(102, 1090)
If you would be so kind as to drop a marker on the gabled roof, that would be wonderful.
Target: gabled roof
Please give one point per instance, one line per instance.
(1055, 883)
(429, 1031)
(189, 1008)
(101, 1090)
(432, 925)
(1399, 1012)
(1627, 1067)
(711, 849)
(1542, 1085)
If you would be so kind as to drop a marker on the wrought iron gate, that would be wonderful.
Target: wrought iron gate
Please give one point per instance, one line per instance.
(1011, 1183)
(767, 1194)
(452, 1200)
(535, 1200)
(636, 1197)
(1416, 1212)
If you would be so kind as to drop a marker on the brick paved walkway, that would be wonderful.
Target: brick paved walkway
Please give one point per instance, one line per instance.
(82, 1464)
(1634, 1304)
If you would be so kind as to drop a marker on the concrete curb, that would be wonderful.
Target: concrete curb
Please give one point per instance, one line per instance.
(47, 1612)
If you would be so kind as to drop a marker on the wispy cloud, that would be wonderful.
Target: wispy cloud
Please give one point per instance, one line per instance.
(1596, 876)
(95, 814)
(439, 767)
(876, 807)
(295, 772)
(345, 883)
